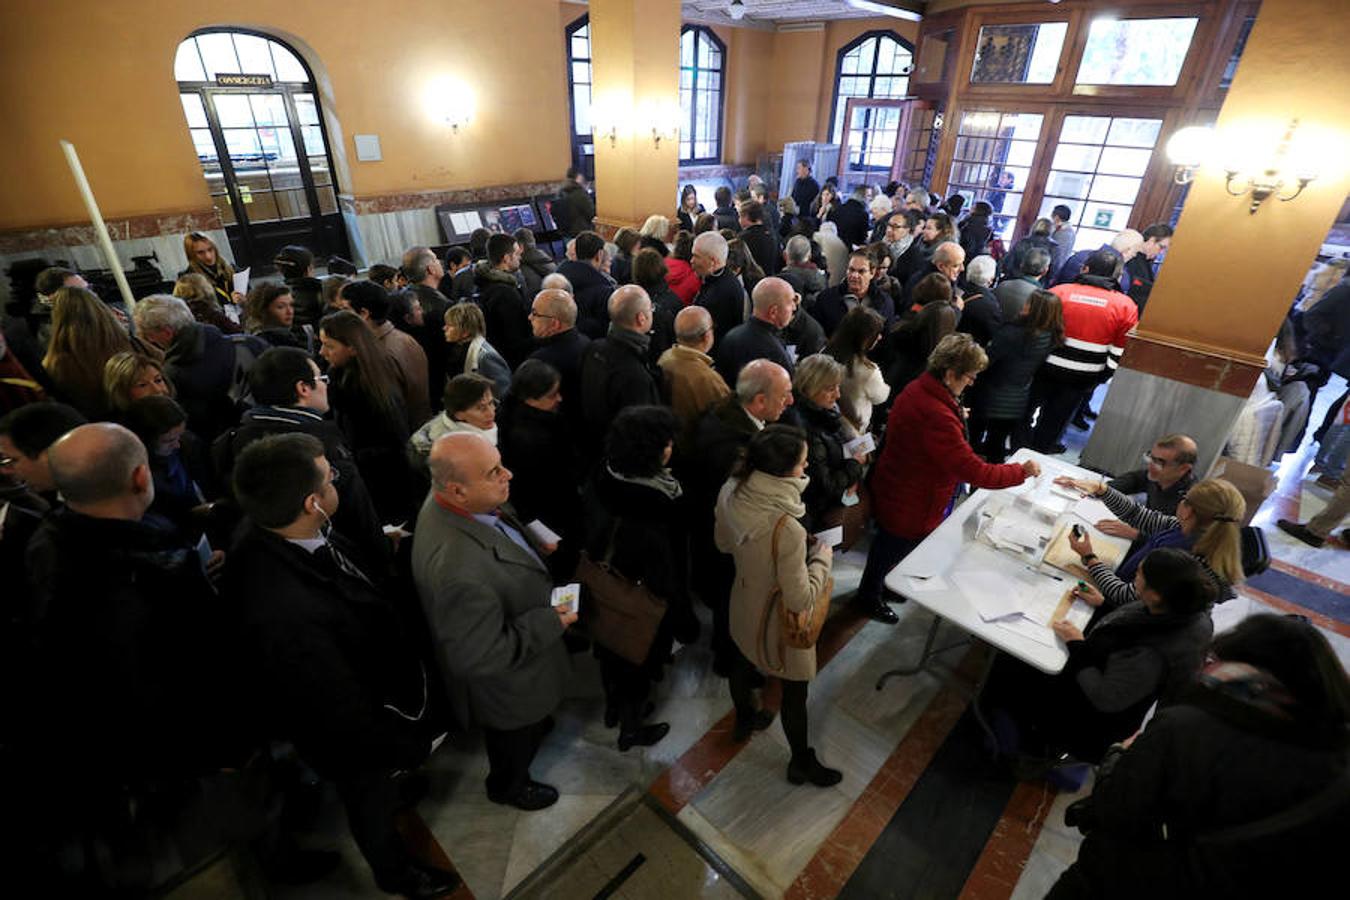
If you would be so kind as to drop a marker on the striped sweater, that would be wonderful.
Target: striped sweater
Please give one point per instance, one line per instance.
(1149, 522)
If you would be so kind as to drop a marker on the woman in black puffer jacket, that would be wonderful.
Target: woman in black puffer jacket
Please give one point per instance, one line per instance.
(833, 473)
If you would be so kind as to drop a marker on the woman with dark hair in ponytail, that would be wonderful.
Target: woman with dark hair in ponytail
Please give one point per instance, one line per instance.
(1239, 789)
(367, 405)
(757, 523)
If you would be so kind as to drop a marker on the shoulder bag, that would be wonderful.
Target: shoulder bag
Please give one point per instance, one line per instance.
(799, 630)
(622, 615)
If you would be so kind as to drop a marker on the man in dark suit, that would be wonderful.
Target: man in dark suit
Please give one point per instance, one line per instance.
(617, 370)
(553, 321)
(805, 188)
(850, 217)
(759, 337)
(486, 593)
(757, 237)
(327, 659)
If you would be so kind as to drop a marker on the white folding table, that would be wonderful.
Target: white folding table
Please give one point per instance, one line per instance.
(944, 571)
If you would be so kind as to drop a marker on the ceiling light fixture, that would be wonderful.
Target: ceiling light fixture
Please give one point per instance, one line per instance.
(736, 10)
(885, 9)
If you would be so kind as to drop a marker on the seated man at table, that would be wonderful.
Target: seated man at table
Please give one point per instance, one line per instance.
(1164, 481)
(1129, 656)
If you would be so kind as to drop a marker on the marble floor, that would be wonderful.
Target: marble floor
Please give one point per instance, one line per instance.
(710, 818)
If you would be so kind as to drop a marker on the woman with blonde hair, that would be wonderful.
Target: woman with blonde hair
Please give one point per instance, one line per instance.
(204, 259)
(654, 234)
(833, 471)
(85, 335)
(1208, 525)
(470, 352)
(129, 376)
(196, 291)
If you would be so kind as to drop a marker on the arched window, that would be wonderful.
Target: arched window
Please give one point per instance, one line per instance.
(876, 65)
(702, 74)
(579, 92)
(257, 127)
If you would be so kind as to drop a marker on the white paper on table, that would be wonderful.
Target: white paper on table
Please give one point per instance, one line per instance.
(866, 444)
(241, 281)
(1092, 510)
(1014, 531)
(993, 595)
(831, 537)
(1030, 630)
(542, 532)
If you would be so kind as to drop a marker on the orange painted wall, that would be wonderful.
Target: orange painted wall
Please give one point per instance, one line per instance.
(116, 97)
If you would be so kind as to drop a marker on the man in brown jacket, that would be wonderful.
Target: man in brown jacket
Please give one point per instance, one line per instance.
(691, 382)
(370, 301)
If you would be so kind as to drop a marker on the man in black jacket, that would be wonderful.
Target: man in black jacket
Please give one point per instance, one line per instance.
(758, 238)
(292, 398)
(504, 308)
(617, 371)
(591, 283)
(326, 658)
(1139, 271)
(805, 188)
(774, 302)
(574, 210)
(721, 293)
(553, 319)
(128, 654)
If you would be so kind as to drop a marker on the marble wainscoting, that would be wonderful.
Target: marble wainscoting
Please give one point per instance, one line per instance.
(1163, 387)
(158, 235)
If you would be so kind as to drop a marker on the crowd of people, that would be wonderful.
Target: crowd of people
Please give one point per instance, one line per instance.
(304, 532)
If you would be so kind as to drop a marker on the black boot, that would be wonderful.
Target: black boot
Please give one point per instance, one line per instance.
(807, 768)
(642, 735)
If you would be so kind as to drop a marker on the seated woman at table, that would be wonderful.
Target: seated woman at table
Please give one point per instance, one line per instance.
(925, 457)
(1207, 524)
(1142, 651)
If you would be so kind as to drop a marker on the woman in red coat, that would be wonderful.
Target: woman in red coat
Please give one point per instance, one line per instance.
(926, 455)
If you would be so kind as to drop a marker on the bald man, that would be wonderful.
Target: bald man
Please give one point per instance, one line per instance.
(690, 381)
(128, 633)
(553, 319)
(721, 291)
(773, 304)
(616, 371)
(485, 591)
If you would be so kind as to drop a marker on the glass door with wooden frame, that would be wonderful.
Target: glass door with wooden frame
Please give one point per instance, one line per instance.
(879, 141)
(992, 161)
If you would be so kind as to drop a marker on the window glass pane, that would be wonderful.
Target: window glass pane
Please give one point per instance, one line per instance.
(581, 48)
(979, 123)
(292, 204)
(1122, 161)
(1230, 69)
(1109, 216)
(187, 64)
(1020, 153)
(1135, 51)
(205, 147)
(1114, 188)
(581, 109)
(1068, 184)
(1018, 54)
(581, 72)
(222, 204)
(233, 110)
(218, 53)
(1092, 238)
(193, 109)
(1085, 129)
(318, 170)
(704, 51)
(867, 55)
(886, 55)
(253, 56)
(850, 66)
(313, 140)
(260, 205)
(250, 174)
(269, 109)
(1134, 132)
(306, 109)
(687, 48)
(1076, 157)
(1048, 203)
(288, 67)
(328, 204)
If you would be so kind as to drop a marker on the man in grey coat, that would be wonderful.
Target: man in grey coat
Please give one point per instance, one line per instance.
(486, 593)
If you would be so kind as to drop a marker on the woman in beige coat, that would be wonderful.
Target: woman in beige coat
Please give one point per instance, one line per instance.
(764, 495)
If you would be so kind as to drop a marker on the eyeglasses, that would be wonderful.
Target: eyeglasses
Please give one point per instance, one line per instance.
(334, 474)
(7, 461)
(319, 379)
(1157, 460)
(539, 315)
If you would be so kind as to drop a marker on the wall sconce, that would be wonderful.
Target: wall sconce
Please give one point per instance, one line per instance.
(1187, 149)
(607, 115)
(662, 119)
(1261, 177)
(451, 101)
(1264, 182)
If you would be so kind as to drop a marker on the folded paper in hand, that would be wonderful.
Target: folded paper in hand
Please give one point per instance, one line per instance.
(542, 533)
(241, 282)
(866, 444)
